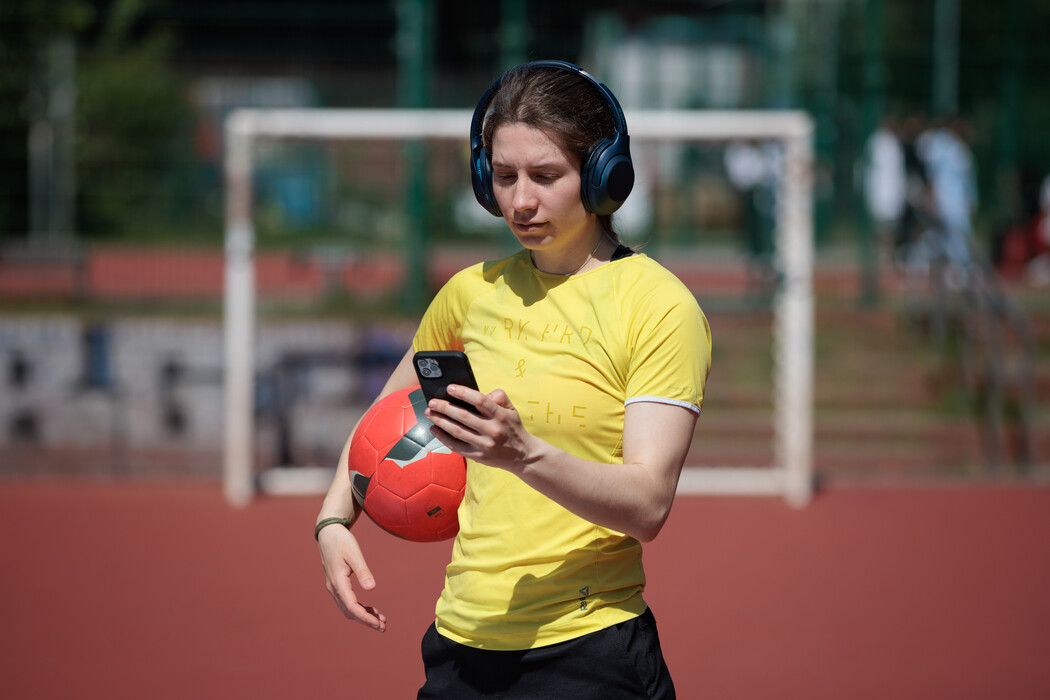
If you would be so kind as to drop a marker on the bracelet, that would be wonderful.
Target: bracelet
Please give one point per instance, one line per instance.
(345, 522)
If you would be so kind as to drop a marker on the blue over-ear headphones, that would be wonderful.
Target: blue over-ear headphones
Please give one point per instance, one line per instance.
(606, 176)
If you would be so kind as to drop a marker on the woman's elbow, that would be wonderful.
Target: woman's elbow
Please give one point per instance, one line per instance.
(651, 522)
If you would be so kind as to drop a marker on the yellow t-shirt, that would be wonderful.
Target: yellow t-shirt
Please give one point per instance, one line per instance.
(570, 352)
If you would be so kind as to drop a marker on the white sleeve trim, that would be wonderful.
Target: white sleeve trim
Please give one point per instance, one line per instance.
(660, 399)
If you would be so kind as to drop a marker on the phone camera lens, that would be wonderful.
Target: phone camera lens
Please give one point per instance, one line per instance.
(429, 368)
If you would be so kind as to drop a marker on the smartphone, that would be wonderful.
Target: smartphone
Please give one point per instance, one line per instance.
(436, 369)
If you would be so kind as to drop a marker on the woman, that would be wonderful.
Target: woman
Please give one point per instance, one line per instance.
(593, 360)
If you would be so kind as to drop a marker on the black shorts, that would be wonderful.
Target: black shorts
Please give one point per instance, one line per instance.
(622, 661)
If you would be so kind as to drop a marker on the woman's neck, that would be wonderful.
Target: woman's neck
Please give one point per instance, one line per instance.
(574, 265)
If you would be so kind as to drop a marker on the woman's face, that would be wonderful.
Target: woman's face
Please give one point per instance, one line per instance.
(537, 186)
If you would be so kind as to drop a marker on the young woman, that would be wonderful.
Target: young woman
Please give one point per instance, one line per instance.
(592, 361)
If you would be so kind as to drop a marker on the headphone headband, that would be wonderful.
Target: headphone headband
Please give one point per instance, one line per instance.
(607, 175)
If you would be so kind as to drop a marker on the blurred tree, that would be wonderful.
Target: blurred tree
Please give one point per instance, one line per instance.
(130, 117)
(26, 27)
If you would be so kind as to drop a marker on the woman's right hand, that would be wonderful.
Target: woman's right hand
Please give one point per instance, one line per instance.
(340, 553)
(342, 559)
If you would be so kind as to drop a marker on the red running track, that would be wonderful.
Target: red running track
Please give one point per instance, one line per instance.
(162, 591)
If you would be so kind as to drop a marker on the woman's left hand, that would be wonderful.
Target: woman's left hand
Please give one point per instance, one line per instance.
(494, 435)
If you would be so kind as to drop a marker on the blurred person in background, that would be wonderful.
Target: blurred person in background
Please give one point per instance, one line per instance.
(916, 215)
(1020, 249)
(753, 168)
(1038, 267)
(886, 181)
(949, 165)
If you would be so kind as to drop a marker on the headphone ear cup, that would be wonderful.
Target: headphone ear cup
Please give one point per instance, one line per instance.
(608, 175)
(481, 181)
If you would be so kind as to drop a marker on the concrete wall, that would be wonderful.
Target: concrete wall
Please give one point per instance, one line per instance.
(145, 396)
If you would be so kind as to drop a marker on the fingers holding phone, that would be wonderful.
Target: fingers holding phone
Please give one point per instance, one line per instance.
(496, 436)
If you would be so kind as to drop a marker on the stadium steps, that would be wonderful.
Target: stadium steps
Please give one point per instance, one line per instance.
(886, 406)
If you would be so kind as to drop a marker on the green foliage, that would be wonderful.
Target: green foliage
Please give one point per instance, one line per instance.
(131, 121)
(25, 28)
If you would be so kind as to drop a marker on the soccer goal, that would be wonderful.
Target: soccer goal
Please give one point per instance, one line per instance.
(790, 473)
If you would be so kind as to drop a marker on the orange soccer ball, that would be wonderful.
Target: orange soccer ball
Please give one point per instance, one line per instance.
(404, 479)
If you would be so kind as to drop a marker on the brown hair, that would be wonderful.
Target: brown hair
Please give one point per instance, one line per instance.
(565, 106)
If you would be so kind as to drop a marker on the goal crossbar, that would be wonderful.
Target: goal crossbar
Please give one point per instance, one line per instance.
(791, 474)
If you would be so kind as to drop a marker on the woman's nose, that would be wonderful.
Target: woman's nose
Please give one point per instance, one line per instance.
(524, 195)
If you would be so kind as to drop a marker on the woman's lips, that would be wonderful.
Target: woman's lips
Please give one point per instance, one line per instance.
(528, 228)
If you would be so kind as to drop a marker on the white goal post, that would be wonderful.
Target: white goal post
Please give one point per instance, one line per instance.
(791, 474)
